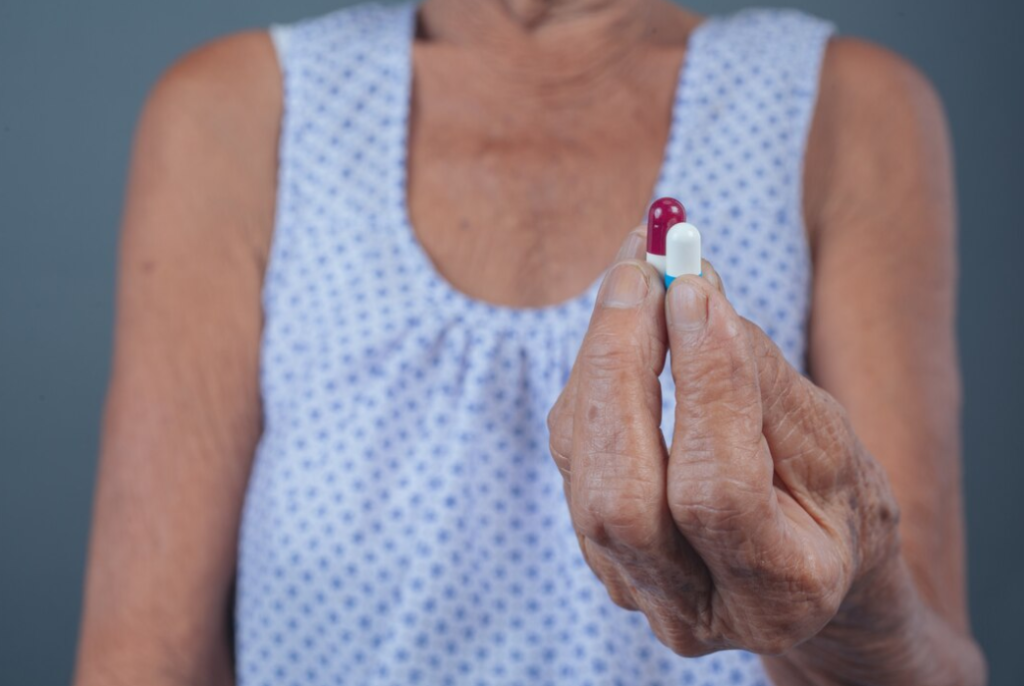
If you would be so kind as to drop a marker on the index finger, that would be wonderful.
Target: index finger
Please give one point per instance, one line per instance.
(560, 418)
(618, 453)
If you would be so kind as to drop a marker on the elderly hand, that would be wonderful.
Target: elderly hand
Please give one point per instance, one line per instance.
(760, 521)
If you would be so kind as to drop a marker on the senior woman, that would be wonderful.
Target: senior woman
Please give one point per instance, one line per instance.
(357, 306)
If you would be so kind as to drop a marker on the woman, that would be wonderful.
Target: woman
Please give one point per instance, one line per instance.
(399, 522)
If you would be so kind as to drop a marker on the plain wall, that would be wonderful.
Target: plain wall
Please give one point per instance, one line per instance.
(72, 78)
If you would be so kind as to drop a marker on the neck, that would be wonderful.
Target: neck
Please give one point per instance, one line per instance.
(552, 42)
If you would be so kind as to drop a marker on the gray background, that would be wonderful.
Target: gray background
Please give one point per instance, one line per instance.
(72, 77)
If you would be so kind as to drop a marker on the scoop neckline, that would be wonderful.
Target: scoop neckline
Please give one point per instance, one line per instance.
(437, 288)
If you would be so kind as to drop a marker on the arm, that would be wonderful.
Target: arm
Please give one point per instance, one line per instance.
(880, 206)
(183, 411)
(770, 524)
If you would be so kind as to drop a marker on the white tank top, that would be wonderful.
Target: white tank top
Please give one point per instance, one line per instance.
(404, 523)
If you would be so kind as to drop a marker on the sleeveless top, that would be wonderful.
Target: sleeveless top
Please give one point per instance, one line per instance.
(404, 522)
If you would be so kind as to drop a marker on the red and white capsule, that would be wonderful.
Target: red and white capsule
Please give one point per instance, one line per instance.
(673, 245)
(663, 215)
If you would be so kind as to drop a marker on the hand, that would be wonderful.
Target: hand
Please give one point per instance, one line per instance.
(758, 524)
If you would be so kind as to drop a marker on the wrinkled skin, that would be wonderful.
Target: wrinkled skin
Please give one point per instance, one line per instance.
(502, 201)
(754, 527)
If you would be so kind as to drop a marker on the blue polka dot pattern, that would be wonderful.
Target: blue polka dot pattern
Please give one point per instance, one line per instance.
(404, 523)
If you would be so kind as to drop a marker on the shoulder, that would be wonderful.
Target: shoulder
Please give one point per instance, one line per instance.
(226, 94)
(209, 132)
(232, 78)
(879, 125)
(861, 77)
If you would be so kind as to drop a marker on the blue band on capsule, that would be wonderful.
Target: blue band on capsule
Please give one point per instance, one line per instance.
(670, 279)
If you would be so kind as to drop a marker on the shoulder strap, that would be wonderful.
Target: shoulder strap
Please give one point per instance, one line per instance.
(762, 66)
(346, 87)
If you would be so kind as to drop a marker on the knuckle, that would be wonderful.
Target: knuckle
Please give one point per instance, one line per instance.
(732, 328)
(621, 595)
(561, 458)
(727, 331)
(677, 636)
(608, 352)
(555, 417)
(793, 602)
(595, 558)
(822, 601)
(882, 513)
(616, 514)
(807, 582)
(559, 440)
(560, 429)
(880, 518)
(588, 520)
(815, 590)
(720, 373)
(885, 510)
(887, 513)
(715, 502)
(712, 520)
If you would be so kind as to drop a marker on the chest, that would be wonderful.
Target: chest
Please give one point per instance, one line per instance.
(521, 196)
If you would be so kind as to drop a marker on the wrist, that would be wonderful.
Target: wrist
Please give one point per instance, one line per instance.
(884, 634)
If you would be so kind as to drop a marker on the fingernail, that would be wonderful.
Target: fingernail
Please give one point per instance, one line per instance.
(624, 287)
(687, 306)
(630, 249)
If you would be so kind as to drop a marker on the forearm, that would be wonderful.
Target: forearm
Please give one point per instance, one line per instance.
(132, 665)
(884, 635)
(150, 677)
(122, 647)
